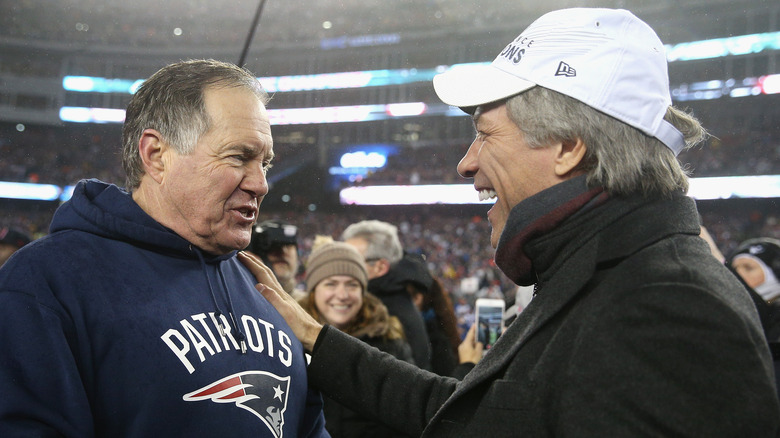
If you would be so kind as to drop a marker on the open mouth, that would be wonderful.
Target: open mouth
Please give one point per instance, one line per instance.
(248, 214)
(485, 194)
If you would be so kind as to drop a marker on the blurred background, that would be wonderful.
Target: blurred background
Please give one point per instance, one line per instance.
(354, 111)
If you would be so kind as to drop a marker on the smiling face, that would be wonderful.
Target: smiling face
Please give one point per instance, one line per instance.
(211, 196)
(338, 299)
(504, 167)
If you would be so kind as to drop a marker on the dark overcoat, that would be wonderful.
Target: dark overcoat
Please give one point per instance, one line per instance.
(636, 330)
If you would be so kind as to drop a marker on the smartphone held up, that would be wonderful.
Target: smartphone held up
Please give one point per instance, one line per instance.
(489, 317)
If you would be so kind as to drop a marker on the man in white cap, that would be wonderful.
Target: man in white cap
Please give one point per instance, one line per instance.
(635, 328)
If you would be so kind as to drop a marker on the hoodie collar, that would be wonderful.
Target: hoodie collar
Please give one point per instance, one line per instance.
(109, 211)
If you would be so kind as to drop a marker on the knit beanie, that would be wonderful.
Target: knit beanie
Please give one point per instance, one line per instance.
(335, 258)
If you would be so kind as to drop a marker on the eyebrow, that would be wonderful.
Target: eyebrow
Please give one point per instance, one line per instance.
(251, 151)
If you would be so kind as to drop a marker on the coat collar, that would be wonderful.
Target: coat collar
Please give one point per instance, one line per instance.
(538, 216)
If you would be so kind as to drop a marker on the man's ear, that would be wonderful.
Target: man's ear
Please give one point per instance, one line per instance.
(152, 148)
(569, 156)
(381, 267)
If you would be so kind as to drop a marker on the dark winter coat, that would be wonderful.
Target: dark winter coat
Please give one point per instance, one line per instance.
(391, 289)
(636, 330)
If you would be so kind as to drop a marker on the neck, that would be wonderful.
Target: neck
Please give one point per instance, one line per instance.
(149, 202)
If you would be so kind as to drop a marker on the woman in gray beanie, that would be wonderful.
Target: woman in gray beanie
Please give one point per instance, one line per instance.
(336, 280)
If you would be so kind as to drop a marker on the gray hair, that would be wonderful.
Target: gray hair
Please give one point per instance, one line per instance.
(382, 238)
(619, 157)
(171, 101)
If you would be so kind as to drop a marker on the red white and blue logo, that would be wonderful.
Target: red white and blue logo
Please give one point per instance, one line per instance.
(259, 392)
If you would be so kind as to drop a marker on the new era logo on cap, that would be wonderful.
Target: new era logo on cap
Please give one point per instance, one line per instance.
(565, 69)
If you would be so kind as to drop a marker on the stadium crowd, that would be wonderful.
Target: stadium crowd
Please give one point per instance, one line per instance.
(63, 155)
(455, 243)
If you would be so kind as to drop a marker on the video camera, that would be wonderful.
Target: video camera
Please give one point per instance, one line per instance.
(271, 234)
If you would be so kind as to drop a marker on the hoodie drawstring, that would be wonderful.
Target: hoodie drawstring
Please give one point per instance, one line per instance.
(239, 335)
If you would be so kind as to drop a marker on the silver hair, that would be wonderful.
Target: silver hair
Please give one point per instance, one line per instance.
(619, 157)
(171, 101)
(382, 238)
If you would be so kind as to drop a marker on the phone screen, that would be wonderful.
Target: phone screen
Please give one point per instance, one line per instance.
(489, 324)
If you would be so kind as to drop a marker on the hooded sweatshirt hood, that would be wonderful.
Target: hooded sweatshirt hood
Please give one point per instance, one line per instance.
(109, 211)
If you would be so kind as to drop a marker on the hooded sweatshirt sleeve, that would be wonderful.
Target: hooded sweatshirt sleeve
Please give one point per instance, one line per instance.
(42, 392)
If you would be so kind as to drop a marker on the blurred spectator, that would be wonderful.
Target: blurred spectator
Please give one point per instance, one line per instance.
(378, 243)
(435, 305)
(336, 282)
(757, 261)
(276, 243)
(10, 241)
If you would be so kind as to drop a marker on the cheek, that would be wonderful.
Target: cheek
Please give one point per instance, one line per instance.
(189, 184)
(757, 277)
(357, 306)
(753, 277)
(319, 299)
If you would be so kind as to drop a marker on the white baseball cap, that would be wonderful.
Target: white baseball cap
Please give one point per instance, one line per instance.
(606, 58)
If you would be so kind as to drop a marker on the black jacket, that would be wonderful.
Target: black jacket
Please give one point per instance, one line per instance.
(391, 289)
(636, 330)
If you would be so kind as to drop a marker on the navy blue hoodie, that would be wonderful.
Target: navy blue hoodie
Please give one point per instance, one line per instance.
(111, 326)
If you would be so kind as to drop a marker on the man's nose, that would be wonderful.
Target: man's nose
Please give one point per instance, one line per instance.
(255, 181)
(467, 167)
(341, 292)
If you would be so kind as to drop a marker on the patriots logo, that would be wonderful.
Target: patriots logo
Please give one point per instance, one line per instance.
(259, 392)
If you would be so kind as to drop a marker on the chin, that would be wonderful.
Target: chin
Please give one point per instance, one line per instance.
(495, 235)
(234, 246)
(241, 240)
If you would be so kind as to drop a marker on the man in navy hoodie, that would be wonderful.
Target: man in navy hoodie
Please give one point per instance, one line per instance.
(134, 317)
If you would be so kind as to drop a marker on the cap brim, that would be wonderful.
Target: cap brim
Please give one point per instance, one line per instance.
(474, 85)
